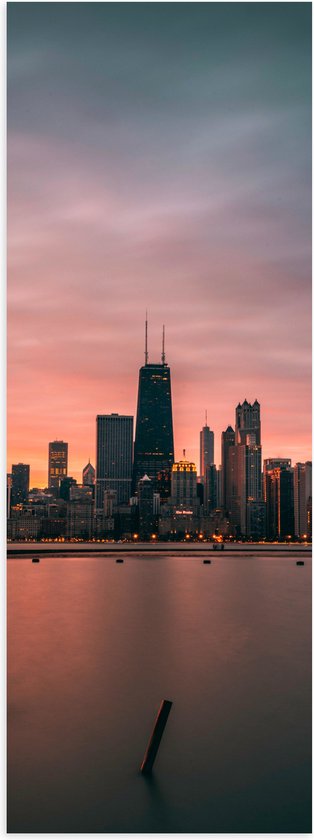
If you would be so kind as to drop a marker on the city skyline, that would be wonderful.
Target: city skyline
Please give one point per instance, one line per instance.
(297, 453)
(149, 172)
(77, 474)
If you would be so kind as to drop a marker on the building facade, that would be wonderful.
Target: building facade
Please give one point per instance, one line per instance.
(184, 484)
(57, 463)
(9, 489)
(146, 504)
(114, 457)
(227, 441)
(303, 499)
(80, 518)
(247, 504)
(273, 464)
(206, 450)
(248, 422)
(210, 489)
(19, 484)
(153, 448)
(89, 475)
(279, 500)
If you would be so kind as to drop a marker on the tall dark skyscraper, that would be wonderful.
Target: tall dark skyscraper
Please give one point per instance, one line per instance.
(227, 462)
(248, 422)
(114, 457)
(278, 484)
(153, 450)
(302, 498)
(248, 507)
(206, 449)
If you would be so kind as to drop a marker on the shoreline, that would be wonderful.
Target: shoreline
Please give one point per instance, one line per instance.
(27, 549)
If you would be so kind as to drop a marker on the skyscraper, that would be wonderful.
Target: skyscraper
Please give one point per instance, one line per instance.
(184, 483)
(153, 450)
(210, 488)
(20, 484)
(147, 517)
(57, 463)
(114, 457)
(248, 422)
(227, 441)
(206, 449)
(278, 484)
(89, 474)
(273, 464)
(248, 507)
(302, 499)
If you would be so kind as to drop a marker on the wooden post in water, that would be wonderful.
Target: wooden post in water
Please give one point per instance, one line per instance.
(156, 736)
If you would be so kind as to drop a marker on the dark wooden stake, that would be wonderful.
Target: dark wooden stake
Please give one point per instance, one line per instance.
(157, 733)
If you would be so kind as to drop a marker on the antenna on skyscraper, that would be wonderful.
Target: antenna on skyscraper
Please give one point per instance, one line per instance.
(163, 355)
(146, 351)
(205, 416)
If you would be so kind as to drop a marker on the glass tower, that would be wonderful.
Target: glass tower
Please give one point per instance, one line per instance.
(114, 457)
(153, 449)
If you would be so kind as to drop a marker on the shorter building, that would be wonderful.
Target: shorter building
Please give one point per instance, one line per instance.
(57, 463)
(53, 528)
(80, 518)
(89, 475)
(9, 489)
(106, 521)
(110, 503)
(274, 464)
(227, 467)
(146, 502)
(279, 500)
(309, 518)
(19, 484)
(210, 489)
(81, 492)
(302, 499)
(127, 521)
(65, 487)
(163, 484)
(23, 526)
(215, 523)
(184, 483)
(256, 520)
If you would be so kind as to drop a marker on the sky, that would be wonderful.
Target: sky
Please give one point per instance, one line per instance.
(159, 158)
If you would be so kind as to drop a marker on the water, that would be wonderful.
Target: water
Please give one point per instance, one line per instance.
(95, 646)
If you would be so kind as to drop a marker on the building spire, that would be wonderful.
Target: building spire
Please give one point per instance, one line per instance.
(163, 355)
(205, 416)
(146, 351)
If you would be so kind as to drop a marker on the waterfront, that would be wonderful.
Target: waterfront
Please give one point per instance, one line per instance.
(93, 649)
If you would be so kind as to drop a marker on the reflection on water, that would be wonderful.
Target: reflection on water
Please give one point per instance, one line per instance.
(93, 649)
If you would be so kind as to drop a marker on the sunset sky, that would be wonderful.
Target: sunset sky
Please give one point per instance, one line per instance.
(159, 157)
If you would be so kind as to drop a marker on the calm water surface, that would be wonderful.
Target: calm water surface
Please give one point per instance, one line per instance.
(94, 647)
